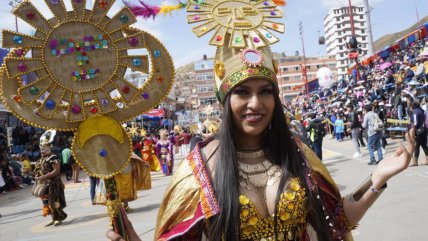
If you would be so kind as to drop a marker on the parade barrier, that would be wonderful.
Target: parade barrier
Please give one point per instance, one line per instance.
(398, 128)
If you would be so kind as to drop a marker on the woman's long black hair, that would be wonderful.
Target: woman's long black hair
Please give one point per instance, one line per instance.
(226, 185)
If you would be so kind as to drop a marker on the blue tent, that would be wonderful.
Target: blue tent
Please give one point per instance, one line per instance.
(3, 53)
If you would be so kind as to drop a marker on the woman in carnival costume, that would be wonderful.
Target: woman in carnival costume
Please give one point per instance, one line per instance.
(164, 153)
(135, 177)
(48, 170)
(254, 180)
(149, 155)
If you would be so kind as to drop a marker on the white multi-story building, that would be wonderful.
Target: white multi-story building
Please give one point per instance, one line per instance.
(337, 28)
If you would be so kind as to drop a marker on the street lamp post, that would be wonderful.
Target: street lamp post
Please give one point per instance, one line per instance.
(13, 4)
(305, 76)
(351, 17)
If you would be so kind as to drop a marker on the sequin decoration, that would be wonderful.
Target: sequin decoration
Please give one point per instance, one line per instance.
(136, 62)
(50, 104)
(17, 39)
(104, 102)
(103, 3)
(268, 35)
(133, 41)
(94, 110)
(218, 38)
(145, 95)
(19, 52)
(159, 78)
(17, 98)
(34, 90)
(103, 152)
(157, 53)
(120, 105)
(124, 18)
(126, 89)
(30, 15)
(76, 109)
(22, 67)
(54, 2)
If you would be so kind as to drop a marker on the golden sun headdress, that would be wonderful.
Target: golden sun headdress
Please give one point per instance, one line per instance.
(242, 34)
(70, 75)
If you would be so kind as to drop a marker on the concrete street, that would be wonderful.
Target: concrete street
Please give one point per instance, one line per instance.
(400, 214)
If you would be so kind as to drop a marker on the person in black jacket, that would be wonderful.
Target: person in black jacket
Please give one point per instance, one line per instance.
(418, 123)
(356, 130)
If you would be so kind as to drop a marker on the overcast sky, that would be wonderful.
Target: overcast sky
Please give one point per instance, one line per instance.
(387, 16)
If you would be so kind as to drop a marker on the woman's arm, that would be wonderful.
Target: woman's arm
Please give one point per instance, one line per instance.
(356, 205)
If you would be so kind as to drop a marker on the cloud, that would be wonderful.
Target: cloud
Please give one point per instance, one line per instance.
(342, 3)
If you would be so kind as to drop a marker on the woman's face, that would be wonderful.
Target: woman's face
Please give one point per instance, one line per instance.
(252, 104)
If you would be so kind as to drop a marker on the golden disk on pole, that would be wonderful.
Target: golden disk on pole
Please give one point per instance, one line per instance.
(72, 71)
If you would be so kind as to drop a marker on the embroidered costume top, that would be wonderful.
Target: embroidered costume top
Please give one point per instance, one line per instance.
(292, 216)
(189, 200)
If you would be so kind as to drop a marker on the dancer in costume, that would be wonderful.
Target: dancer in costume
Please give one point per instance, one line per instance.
(48, 170)
(164, 153)
(253, 180)
(149, 155)
(135, 177)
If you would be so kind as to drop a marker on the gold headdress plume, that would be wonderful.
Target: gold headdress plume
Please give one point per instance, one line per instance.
(243, 33)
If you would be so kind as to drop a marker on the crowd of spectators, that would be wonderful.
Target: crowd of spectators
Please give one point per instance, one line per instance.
(394, 86)
(17, 160)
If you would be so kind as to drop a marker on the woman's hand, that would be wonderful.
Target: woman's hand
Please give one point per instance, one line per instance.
(132, 235)
(396, 163)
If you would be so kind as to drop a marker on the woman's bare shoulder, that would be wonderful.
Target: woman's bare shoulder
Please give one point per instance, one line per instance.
(210, 153)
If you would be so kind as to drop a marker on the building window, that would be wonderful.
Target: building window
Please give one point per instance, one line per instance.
(362, 23)
(205, 88)
(204, 76)
(363, 31)
(338, 26)
(285, 69)
(297, 77)
(338, 19)
(340, 47)
(286, 78)
(364, 38)
(296, 68)
(286, 88)
(208, 101)
(361, 17)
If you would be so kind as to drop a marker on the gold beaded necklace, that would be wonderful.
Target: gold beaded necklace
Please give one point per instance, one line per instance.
(257, 175)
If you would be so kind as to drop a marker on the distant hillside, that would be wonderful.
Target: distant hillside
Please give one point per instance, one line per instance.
(185, 68)
(391, 38)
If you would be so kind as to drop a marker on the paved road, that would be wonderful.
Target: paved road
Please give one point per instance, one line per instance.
(400, 214)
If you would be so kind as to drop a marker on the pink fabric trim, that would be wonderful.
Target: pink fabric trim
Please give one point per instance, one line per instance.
(208, 201)
(182, 228)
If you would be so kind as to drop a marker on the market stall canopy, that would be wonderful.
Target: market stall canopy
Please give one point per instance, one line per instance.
(155, 114)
